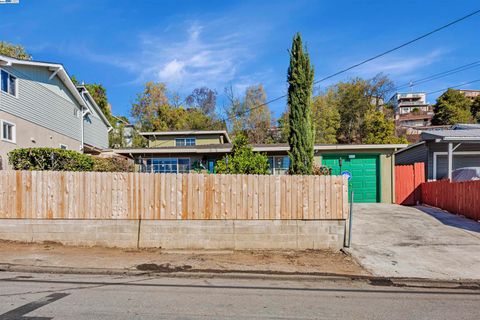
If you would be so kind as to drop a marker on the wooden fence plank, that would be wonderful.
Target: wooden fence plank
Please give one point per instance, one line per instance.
(93, 195)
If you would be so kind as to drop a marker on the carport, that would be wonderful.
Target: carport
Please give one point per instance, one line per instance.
(444, 151)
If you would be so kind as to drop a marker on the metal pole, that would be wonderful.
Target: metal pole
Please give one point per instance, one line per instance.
(450, 160)
(350, 222)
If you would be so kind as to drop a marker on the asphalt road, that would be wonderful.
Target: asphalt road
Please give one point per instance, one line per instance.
(48, 296)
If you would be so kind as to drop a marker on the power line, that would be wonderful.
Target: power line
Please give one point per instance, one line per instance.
(440, 75)
(456, 86)
(364, 61)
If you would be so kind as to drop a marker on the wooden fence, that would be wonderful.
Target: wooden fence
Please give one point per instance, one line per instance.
(93, 195)
(408, 179)
(456, 197)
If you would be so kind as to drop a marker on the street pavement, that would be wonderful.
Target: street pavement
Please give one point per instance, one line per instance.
(398, 241)
(54, 296)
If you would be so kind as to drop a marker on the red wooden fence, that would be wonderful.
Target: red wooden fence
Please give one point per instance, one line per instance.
(408, 179)
(456, 197)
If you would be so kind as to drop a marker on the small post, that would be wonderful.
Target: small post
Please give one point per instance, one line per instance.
(350, 216)
(450, 160)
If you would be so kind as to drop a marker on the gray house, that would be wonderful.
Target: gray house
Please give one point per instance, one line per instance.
(41, 107)
(443, 151)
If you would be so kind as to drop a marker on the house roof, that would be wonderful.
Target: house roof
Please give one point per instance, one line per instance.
(57, 70)
(410, 147)
(226, 147)
(466, 126)
(186, 133)
(452, 135)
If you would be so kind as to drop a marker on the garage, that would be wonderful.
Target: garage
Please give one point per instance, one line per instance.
(364, 170)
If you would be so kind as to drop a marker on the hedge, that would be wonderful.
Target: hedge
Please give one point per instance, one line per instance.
(49, 159)
(63, 160)
(112, 165)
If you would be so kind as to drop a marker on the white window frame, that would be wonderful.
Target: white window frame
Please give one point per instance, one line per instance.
(60, 145)
(173, 158)
(185, 139)
(14, 131)
(8, 83)
(275, 168)
(436, 154)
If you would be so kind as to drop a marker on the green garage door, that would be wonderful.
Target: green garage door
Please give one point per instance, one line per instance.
(365, 174)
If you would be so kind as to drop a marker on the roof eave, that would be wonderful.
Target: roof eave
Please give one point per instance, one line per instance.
(99, 111)
(60, 71)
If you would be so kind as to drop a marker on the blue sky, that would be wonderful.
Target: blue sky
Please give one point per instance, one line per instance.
(187, 44)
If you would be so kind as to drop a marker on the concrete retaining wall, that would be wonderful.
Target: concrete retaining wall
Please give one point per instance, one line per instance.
(172, 234)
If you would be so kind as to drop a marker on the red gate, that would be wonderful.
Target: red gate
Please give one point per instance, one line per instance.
(408, 180)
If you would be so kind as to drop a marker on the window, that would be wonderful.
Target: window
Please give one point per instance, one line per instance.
(183, 165)
(9, 83)
(279, 164)
(182, 142)
(8, 131)
(166, 165)
(63, 146)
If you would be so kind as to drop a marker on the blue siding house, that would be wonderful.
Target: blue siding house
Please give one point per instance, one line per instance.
(41, 107)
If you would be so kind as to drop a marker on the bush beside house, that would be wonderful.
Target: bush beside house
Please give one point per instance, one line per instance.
(64, 160)
(243, 160)
(113, 164)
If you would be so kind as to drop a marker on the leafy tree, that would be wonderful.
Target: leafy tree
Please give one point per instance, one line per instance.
(301, 131)
(251, 115)
(14, 51)
(243, 160)
(123, 135)
(355, 99)
(99, 95)
(377, 129)
(452, 107)
(475, 109)
(150, 106)
(283, 124)
(353, 104)
(156, 110)
(259, 115)
(379, 89)
(326, 117)
(204, 99)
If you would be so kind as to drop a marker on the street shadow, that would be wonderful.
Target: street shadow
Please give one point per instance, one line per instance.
(451, 219)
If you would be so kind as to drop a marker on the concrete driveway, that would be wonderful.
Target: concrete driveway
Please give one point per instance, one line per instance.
(423, 242)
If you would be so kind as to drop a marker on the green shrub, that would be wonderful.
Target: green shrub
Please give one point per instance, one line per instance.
(114, 164)
(321, 170)
(243, 160)
(49, 159)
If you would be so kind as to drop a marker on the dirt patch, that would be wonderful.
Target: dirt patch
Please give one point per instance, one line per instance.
(166, 267)
(158, 260)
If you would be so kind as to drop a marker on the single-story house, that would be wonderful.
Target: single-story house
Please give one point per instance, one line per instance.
(371, 166)
(443, 151)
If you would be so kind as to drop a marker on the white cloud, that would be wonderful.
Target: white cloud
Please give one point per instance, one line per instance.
(204, 56)
(396, 65)
(172, 70)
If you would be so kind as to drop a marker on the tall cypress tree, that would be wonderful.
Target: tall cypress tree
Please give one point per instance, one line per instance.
(301, 133)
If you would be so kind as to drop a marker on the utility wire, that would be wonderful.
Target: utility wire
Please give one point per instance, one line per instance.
(364, 61)
(440, 75)
(456, 86)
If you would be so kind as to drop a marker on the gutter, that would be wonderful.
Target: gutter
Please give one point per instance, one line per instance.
(82, 119)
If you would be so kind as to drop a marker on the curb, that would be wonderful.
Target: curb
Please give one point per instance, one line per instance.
(465, 284)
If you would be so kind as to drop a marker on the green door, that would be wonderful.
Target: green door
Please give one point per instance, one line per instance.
(364, 170)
